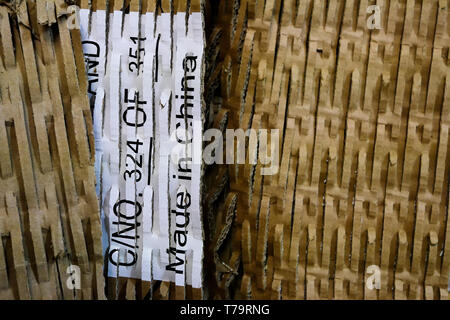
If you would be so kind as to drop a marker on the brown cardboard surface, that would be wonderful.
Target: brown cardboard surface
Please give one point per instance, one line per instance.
(49, 214)
(363, 178)
(364, 150)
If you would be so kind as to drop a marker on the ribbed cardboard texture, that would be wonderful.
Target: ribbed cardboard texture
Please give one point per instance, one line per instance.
(362, 184)
(362, 187)
(49, 214)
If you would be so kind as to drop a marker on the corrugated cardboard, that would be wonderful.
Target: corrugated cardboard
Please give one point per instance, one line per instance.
(49, 214)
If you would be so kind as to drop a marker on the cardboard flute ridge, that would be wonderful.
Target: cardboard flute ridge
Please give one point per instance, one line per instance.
(358, 208)
(50, 229)
(144, 62)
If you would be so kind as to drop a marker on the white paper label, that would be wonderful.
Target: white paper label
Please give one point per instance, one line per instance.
(146, 89)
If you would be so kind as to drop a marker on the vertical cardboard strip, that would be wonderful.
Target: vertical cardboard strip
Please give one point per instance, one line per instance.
(48, 195)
